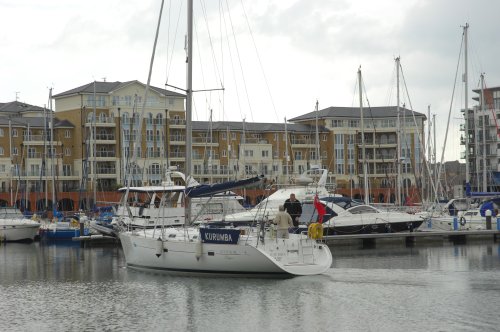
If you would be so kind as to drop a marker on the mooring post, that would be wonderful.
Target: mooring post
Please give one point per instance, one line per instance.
(488, 219)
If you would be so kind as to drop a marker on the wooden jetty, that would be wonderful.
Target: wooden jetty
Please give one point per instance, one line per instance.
(96, 239)
(412, 238)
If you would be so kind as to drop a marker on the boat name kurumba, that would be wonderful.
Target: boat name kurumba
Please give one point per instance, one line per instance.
(226, 236)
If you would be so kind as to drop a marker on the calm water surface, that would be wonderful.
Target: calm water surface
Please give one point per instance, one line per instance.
(67, 288)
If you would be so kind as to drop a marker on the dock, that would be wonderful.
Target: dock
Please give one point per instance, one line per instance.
(411, 239)
(96, 239)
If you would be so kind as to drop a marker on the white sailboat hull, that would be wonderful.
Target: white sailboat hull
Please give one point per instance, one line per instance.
(287, 257)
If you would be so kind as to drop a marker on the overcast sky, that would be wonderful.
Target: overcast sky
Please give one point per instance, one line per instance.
(287, 54)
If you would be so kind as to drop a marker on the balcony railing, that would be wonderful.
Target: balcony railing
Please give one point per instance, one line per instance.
(106, 154)
(105, 137)
(106, 170)
(205, 140)
(177, 138)
(177, 122)
(177, 154)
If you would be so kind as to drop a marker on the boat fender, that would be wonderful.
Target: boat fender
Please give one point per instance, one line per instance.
(315, 231)
(463, 221)
(198, 250)
(159, 247)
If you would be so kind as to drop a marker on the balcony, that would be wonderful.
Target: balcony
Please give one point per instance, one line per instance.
(39, 140)
(206, 141)
(101, 121)
(302, 142)
(106, 154)
(177, 123)
(177, 139)
(177, 155)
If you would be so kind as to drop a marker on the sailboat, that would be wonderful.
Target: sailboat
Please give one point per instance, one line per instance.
(203, 250)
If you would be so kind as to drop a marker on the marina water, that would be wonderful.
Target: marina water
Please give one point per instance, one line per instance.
(62, 287)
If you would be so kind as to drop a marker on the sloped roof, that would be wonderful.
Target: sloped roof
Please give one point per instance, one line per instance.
(34, 122)
(15, 107)
(108, 87)
(257, 127)
(354, 112)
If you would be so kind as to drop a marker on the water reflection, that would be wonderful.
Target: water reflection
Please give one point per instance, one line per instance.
(65, 287)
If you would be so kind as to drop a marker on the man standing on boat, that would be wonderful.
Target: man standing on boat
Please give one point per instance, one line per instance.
(294, 209)
(283, 222)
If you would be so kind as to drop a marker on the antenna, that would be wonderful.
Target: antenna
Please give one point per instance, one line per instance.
(17, 95)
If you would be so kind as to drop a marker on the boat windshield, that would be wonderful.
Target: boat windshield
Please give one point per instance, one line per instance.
(310, 214)
(6, 213)
(362, 209)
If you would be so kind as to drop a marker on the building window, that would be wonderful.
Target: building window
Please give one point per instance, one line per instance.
(67, 151)
(224, 136)
(66, 170)
(67, 134)
(354, 123)
(154, 169)
(298, 155)
(1, 151)
(224, 153)
(31, 152)
(15, 151)
(248, 169)
(233, 136)
(276, 136)
(159, 119)
(337, 123)
(1, 132)
(324, 137)
(248, 153)
(265, 154)
(14, 132)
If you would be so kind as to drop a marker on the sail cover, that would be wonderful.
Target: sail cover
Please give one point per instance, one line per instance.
(204, 190)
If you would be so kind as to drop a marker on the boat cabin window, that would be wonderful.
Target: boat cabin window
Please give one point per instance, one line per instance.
(471, 213)
(363, 209)
(210, 208)
(310, 214)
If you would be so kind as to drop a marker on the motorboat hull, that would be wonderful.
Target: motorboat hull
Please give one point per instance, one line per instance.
(393, 227)
(18, 231)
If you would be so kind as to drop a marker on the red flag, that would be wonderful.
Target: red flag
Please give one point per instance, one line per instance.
(320, 208)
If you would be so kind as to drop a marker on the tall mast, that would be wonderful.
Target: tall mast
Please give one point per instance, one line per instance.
(52, 167)
(363, 148)
(189, 101)
(318, 159)
(429, 148)
(466, 106)
(210, 159)
(228, 152)
(286, 150)
(398, 126)
(94, 146)
(483, 108)
(11, 162)
(436, 169)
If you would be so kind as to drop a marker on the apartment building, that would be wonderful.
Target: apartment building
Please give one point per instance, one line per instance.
(381, 132)
(35, 149)
(98, 143)
(483, 140)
